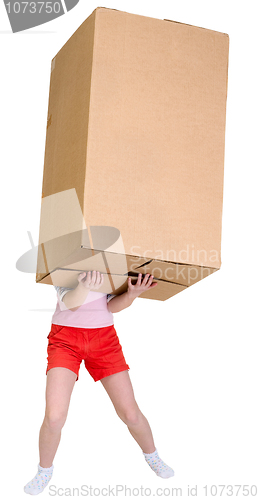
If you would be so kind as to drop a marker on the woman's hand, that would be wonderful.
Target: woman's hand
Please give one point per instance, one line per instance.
(92, 280)
(138, 288)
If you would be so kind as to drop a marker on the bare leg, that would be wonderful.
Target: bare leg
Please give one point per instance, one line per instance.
(59, 387)
(120, 390)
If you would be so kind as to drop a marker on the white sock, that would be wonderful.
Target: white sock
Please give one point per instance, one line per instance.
(157, 465)
(40, 481)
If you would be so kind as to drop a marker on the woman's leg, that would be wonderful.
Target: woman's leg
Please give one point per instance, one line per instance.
(59, 387)
(120, 390)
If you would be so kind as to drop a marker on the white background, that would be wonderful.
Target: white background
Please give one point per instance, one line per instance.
(193, 358)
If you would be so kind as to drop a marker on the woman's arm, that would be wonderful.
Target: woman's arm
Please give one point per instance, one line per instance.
(120, 302)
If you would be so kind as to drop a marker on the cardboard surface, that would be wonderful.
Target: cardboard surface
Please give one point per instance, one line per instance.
(135, 147)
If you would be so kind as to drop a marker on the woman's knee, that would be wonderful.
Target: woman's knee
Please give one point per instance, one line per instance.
(130, 416)
(55, 419)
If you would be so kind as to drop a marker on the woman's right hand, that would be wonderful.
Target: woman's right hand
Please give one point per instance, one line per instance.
(91, 279)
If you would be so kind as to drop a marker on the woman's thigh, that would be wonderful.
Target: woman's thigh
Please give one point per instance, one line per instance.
(59, 387)
(120, 390)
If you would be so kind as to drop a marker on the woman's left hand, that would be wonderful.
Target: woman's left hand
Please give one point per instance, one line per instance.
(138, 288)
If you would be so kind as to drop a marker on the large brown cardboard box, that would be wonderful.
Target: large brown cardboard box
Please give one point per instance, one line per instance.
(134, 156)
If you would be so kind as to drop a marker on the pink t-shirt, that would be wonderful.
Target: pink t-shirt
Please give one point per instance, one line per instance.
(93, 313)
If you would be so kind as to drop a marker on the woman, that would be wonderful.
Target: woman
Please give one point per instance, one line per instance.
(83, 329)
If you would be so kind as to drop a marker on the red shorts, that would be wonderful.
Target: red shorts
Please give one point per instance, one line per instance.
(98, 347)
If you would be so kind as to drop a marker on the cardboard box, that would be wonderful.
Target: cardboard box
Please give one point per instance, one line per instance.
(134, 156)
